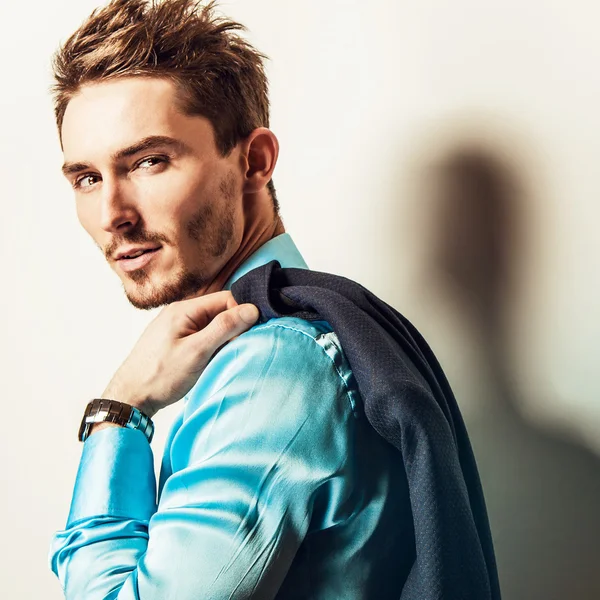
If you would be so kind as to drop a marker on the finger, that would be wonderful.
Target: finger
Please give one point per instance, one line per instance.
(225, 326)
(204, 309)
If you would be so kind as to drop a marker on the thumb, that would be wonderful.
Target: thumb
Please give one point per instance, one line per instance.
(227, 325)
(248, 313)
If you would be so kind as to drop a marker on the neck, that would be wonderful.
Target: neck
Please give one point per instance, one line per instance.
(253, 238)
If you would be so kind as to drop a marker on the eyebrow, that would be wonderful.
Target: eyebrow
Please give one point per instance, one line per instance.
(147, 143)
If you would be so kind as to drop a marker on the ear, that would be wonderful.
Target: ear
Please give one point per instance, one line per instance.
(259, 153)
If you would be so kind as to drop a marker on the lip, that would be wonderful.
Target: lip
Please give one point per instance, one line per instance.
(132, 250)
(132, 264)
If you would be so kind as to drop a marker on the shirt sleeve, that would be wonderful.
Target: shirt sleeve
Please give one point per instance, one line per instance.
(261, 458)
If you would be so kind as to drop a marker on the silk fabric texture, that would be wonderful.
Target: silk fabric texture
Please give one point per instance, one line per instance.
(272, 484)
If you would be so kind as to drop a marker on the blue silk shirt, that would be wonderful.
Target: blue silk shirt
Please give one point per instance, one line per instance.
(273, 484)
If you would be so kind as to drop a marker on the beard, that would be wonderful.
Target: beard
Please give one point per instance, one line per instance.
(211, 228)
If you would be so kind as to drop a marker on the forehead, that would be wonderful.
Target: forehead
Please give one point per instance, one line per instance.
(105, 117)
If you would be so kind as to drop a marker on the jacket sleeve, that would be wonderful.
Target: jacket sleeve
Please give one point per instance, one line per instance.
(260, 459)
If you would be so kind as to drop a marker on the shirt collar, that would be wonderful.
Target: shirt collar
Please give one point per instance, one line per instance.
(280, 248)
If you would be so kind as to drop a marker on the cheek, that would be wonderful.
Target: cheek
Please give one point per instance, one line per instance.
(187, 191)
(180, 185)
(170, 201)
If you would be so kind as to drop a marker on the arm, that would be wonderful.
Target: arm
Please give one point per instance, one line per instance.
(264, 433)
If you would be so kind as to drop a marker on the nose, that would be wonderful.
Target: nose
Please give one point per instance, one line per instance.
(118, 211)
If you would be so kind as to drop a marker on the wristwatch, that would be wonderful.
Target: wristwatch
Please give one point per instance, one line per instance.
(102, 410)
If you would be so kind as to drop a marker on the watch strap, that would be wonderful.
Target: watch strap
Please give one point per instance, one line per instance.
(103, 410)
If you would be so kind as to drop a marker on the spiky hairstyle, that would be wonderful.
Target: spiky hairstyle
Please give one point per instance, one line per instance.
(218, 74)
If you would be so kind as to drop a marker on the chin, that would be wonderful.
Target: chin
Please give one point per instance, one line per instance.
(145, 296)
(143, 302)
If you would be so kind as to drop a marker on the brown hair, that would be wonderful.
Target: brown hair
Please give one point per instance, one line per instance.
(219, 75)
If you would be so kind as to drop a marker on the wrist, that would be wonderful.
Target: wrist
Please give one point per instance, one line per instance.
(102, 412)
(143, 406)
(121, 394)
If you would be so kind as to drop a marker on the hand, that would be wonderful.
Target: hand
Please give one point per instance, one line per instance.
(175, 348)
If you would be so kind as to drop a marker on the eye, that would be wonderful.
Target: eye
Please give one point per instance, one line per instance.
(151, 161)
(85, 181)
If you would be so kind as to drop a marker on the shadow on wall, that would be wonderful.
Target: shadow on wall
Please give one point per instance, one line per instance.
(542, 488)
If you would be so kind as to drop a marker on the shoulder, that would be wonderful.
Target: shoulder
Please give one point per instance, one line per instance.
(289, 358)
(298, 348)
(283, 340)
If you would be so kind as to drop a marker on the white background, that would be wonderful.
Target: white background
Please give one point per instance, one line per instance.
(367, 97)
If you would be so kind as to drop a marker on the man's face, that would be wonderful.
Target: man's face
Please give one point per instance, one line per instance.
(147, 176)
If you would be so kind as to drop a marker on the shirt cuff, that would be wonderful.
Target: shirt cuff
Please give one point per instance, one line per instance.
(115, 477)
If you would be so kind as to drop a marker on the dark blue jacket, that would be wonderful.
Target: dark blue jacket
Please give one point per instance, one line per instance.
(409, 402)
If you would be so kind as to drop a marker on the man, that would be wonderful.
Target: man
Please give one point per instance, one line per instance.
(273, 484)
